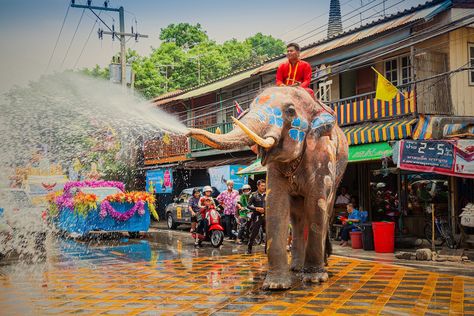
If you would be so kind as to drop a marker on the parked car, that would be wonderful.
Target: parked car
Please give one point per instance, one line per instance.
(177, 212)
(22, 227)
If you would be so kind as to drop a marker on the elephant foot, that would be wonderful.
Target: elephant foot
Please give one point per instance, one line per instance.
(296, 266)
(280, 281)
(315, 275)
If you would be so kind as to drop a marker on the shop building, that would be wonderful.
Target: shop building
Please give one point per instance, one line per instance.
(426, 51)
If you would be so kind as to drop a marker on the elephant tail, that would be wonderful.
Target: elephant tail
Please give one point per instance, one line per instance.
(328, 247)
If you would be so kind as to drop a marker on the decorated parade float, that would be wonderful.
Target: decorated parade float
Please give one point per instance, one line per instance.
(85, 206)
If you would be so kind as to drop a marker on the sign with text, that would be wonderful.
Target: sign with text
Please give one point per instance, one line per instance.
(454, 157)
(159, 181)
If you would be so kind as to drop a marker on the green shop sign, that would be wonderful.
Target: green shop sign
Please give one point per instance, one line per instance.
(369, 152)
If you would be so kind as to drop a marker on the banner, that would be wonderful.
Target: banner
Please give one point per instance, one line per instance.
(159, 181)
(455, 158)
(220, 175)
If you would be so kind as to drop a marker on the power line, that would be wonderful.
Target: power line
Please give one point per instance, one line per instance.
(72, 39)
(250, 92)
(87, 41)
(371, 16)
(57, 39)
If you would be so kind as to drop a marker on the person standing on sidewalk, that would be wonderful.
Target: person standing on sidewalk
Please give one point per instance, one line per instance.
(228, 199)
(257, 206)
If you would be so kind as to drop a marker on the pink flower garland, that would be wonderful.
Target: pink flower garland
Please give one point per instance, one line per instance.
(106, 208)
(93, 184)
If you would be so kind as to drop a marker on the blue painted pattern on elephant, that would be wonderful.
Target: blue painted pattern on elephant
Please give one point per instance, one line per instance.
(323, 120)
(298, 129)
(272, 116)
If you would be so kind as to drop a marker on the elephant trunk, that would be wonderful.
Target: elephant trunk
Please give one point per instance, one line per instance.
(236, 138)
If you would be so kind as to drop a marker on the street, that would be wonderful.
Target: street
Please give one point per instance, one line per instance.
(164, 274)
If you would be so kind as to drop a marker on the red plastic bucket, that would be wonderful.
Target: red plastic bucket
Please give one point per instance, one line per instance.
(356, 240)
(384, 236)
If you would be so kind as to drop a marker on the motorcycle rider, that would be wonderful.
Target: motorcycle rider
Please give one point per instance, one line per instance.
(207, 192)
(243, 219)
(194, 208)
(203, 226)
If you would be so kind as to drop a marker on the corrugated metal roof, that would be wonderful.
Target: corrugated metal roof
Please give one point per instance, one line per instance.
(352, 36)
(215, 85)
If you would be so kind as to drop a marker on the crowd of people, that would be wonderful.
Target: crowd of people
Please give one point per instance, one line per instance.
(242, 214)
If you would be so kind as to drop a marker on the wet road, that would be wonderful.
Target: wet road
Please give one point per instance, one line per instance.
(164, 274)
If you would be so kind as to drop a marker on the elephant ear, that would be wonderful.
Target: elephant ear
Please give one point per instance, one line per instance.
(322, 123)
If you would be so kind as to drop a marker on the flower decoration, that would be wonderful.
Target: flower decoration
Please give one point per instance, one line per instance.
(93, 184)
(107, 209)
(84, 203)
(298, 130)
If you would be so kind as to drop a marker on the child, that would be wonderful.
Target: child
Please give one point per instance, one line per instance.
(203, 222)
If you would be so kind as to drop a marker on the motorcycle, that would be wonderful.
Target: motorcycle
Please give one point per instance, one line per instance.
(215, 232)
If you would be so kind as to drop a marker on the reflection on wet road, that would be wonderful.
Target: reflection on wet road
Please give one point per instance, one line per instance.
(137, 277)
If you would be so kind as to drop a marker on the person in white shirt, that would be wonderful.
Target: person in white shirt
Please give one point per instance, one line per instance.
(344, 198)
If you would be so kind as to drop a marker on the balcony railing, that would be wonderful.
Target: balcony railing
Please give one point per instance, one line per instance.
(366, 107)
(198, 146)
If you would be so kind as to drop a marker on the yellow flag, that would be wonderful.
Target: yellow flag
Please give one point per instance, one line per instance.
(385, 91)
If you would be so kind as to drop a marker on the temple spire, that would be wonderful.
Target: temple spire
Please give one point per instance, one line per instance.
(335, 22)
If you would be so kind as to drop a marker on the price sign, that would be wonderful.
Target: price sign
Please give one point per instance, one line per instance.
(437, 154)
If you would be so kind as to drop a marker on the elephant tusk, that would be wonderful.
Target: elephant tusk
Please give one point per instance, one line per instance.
(265, 143)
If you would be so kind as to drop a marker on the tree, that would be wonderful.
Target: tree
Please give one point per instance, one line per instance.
(239, 54)
(184, 35)
(266, 46)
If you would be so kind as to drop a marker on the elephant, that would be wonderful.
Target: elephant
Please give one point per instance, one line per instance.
(305, 152)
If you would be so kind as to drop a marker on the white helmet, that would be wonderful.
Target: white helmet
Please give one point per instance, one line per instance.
(207, 188)
(246, 187)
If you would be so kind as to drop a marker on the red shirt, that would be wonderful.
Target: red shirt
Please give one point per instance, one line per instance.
(299, 73)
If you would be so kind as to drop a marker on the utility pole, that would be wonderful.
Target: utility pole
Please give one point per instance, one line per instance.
(166, 73)
(198, 57)
(122, 34)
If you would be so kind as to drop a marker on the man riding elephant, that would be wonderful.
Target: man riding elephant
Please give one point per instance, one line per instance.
(306, 155)
(295, 72)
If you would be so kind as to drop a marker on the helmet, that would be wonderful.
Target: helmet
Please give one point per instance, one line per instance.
(246, 187)
(207, 188)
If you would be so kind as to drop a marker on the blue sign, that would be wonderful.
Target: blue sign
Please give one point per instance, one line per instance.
(436, 154)
(220, 175)
(159, 181)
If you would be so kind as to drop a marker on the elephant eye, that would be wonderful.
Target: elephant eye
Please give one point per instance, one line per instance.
(290, 111)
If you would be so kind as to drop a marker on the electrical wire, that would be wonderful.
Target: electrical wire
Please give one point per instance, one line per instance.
(72, 39)
(57, 39)
(85, 44)
(247, 93)
(369, 17)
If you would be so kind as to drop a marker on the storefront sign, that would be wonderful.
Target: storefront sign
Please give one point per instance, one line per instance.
(159, 181)
(444, 157)
(220, 175)
(368, 152)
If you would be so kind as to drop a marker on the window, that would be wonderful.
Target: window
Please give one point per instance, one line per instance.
(398, 70)
(471, 60)
(324, 91)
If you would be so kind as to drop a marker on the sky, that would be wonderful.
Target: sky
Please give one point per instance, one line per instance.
(29, 29)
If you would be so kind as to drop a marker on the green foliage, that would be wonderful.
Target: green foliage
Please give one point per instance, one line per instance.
(187, 57)
(184, 35)
(266, 45)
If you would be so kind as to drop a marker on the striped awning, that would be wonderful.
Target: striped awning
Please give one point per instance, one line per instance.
(379, 132)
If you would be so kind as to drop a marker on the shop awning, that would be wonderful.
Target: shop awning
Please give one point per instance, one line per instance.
(255, 168)
(368, 152)
(358, 153)
(379, 132)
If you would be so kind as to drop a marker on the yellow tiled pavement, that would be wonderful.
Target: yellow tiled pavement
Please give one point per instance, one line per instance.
(230, 285)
